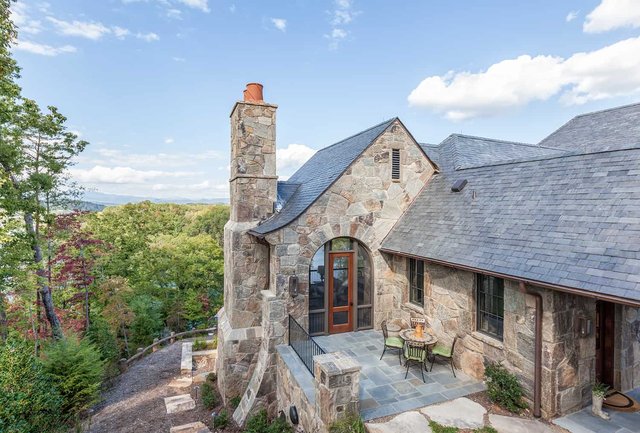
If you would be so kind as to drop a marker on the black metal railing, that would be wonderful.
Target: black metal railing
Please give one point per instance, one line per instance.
(303, 344)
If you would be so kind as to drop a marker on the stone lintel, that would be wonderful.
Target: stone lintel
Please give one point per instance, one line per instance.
(252, 176)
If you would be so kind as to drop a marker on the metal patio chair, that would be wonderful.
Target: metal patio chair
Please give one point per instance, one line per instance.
(444, 353)
(395, 343)
(416, 353)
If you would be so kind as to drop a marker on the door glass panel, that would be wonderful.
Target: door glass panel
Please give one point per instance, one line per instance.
(340, 317)
(364, 277)
(340, 287)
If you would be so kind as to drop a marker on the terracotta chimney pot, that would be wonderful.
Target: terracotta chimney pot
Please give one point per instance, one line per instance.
(253, 92)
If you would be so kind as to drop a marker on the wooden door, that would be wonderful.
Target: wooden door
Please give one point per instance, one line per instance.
(340, 292)
(605, 342)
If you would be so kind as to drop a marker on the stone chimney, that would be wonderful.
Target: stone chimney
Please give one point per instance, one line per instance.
(253, 184)
(253, 157)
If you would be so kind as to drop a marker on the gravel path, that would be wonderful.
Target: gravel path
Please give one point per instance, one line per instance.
(135, 402)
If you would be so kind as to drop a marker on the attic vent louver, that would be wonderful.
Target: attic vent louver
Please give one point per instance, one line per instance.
(395, 164)
(459, 185)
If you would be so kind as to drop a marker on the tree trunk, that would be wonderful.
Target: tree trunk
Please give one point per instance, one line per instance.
(3, 319)
(43, 287)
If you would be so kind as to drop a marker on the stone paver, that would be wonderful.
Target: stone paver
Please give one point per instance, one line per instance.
(508, 424)
(181, 382)
(383, 386)
(461, 413)
(179, 403)
(186, 361)
(408, 422)
(193, 427)
(584, 422)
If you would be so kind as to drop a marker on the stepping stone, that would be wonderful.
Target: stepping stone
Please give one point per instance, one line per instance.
(179, 403)
(461, 413)
(194, 427)
(408, 422)
(181, 382)
(510, 424)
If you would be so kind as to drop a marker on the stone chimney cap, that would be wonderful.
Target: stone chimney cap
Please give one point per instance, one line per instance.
(253, 93)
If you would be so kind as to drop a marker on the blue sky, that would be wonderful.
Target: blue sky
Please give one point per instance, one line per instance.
(150, 83)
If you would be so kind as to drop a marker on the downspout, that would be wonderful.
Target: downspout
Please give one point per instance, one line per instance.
(537, 367)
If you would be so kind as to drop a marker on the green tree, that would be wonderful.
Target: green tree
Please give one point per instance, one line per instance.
(29, 400)
(35, 152)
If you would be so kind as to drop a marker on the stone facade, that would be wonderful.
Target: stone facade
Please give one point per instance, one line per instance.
(628, 347)
(364, 204)
(568, 359)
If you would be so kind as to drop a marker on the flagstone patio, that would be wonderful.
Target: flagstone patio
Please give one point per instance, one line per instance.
(383, 389)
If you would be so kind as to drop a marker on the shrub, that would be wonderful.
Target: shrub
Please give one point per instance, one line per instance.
(235, 401)
(29, 401)
(199, 344)
(221, 420)
(260, 423)
(352, 423)
(209, 398)
(504, 388)
(100, 335)
(77, 369)
(599, 389)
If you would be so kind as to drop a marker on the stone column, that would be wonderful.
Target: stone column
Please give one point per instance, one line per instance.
(337, 382)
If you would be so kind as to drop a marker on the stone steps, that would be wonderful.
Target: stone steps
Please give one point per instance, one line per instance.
(179, 403)
(186, 361)
(193, 427)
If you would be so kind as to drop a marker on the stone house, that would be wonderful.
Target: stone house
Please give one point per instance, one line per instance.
(528, 254)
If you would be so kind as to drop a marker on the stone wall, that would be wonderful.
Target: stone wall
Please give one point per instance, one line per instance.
(363, 204)
(450, 311)
(628, 347)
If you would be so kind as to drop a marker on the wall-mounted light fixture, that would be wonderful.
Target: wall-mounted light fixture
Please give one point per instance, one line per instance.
(293, 286)
(293, 415)
(584, 326)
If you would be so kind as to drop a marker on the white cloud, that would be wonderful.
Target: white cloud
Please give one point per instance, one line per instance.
(279, 23)
(232, 8)
(126, 175)
(342, 14)
(572, 16)
(608, 72)
(116, 157)
(179, 59)
(148, 37)
(19, 14)
(90, 30)
(42, 49)
(202, 5)
(175, 14)
(120, 32)
(293, 156)
(169, 140)
(613, 14)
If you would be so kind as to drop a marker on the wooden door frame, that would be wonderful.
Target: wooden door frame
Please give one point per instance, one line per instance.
(349, 308)
(605, 342)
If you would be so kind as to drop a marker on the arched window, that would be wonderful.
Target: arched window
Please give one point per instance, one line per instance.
(340, 288)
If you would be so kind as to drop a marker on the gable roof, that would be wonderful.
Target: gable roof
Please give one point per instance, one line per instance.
(613, 128)
(317, 175)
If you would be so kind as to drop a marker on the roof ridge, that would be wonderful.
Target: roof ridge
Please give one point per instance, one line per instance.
(567, 154)
(605, 110)
(359, 133)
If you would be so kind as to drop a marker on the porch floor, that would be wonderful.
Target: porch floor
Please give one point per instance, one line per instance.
(383, 388)
(584, 422)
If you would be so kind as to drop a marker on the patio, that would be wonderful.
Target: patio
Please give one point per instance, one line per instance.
(584, 422)
(383, 388)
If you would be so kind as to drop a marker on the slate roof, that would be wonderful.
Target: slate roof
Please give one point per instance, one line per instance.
(602, 130)
(318, 174)
(565, 212)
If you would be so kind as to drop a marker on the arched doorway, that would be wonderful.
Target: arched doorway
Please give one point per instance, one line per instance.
(340, 288)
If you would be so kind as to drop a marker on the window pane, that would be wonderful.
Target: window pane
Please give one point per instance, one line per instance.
(364, 277)
(490, 305)
(341, 244)
(416, 281)
(316, 281)
(364, 317)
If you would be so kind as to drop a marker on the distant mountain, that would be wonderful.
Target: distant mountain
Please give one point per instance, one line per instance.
(105, 199)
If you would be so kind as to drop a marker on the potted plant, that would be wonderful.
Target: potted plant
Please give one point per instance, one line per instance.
(598, 392)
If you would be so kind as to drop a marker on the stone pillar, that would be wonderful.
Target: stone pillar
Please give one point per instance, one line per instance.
(337, 377)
